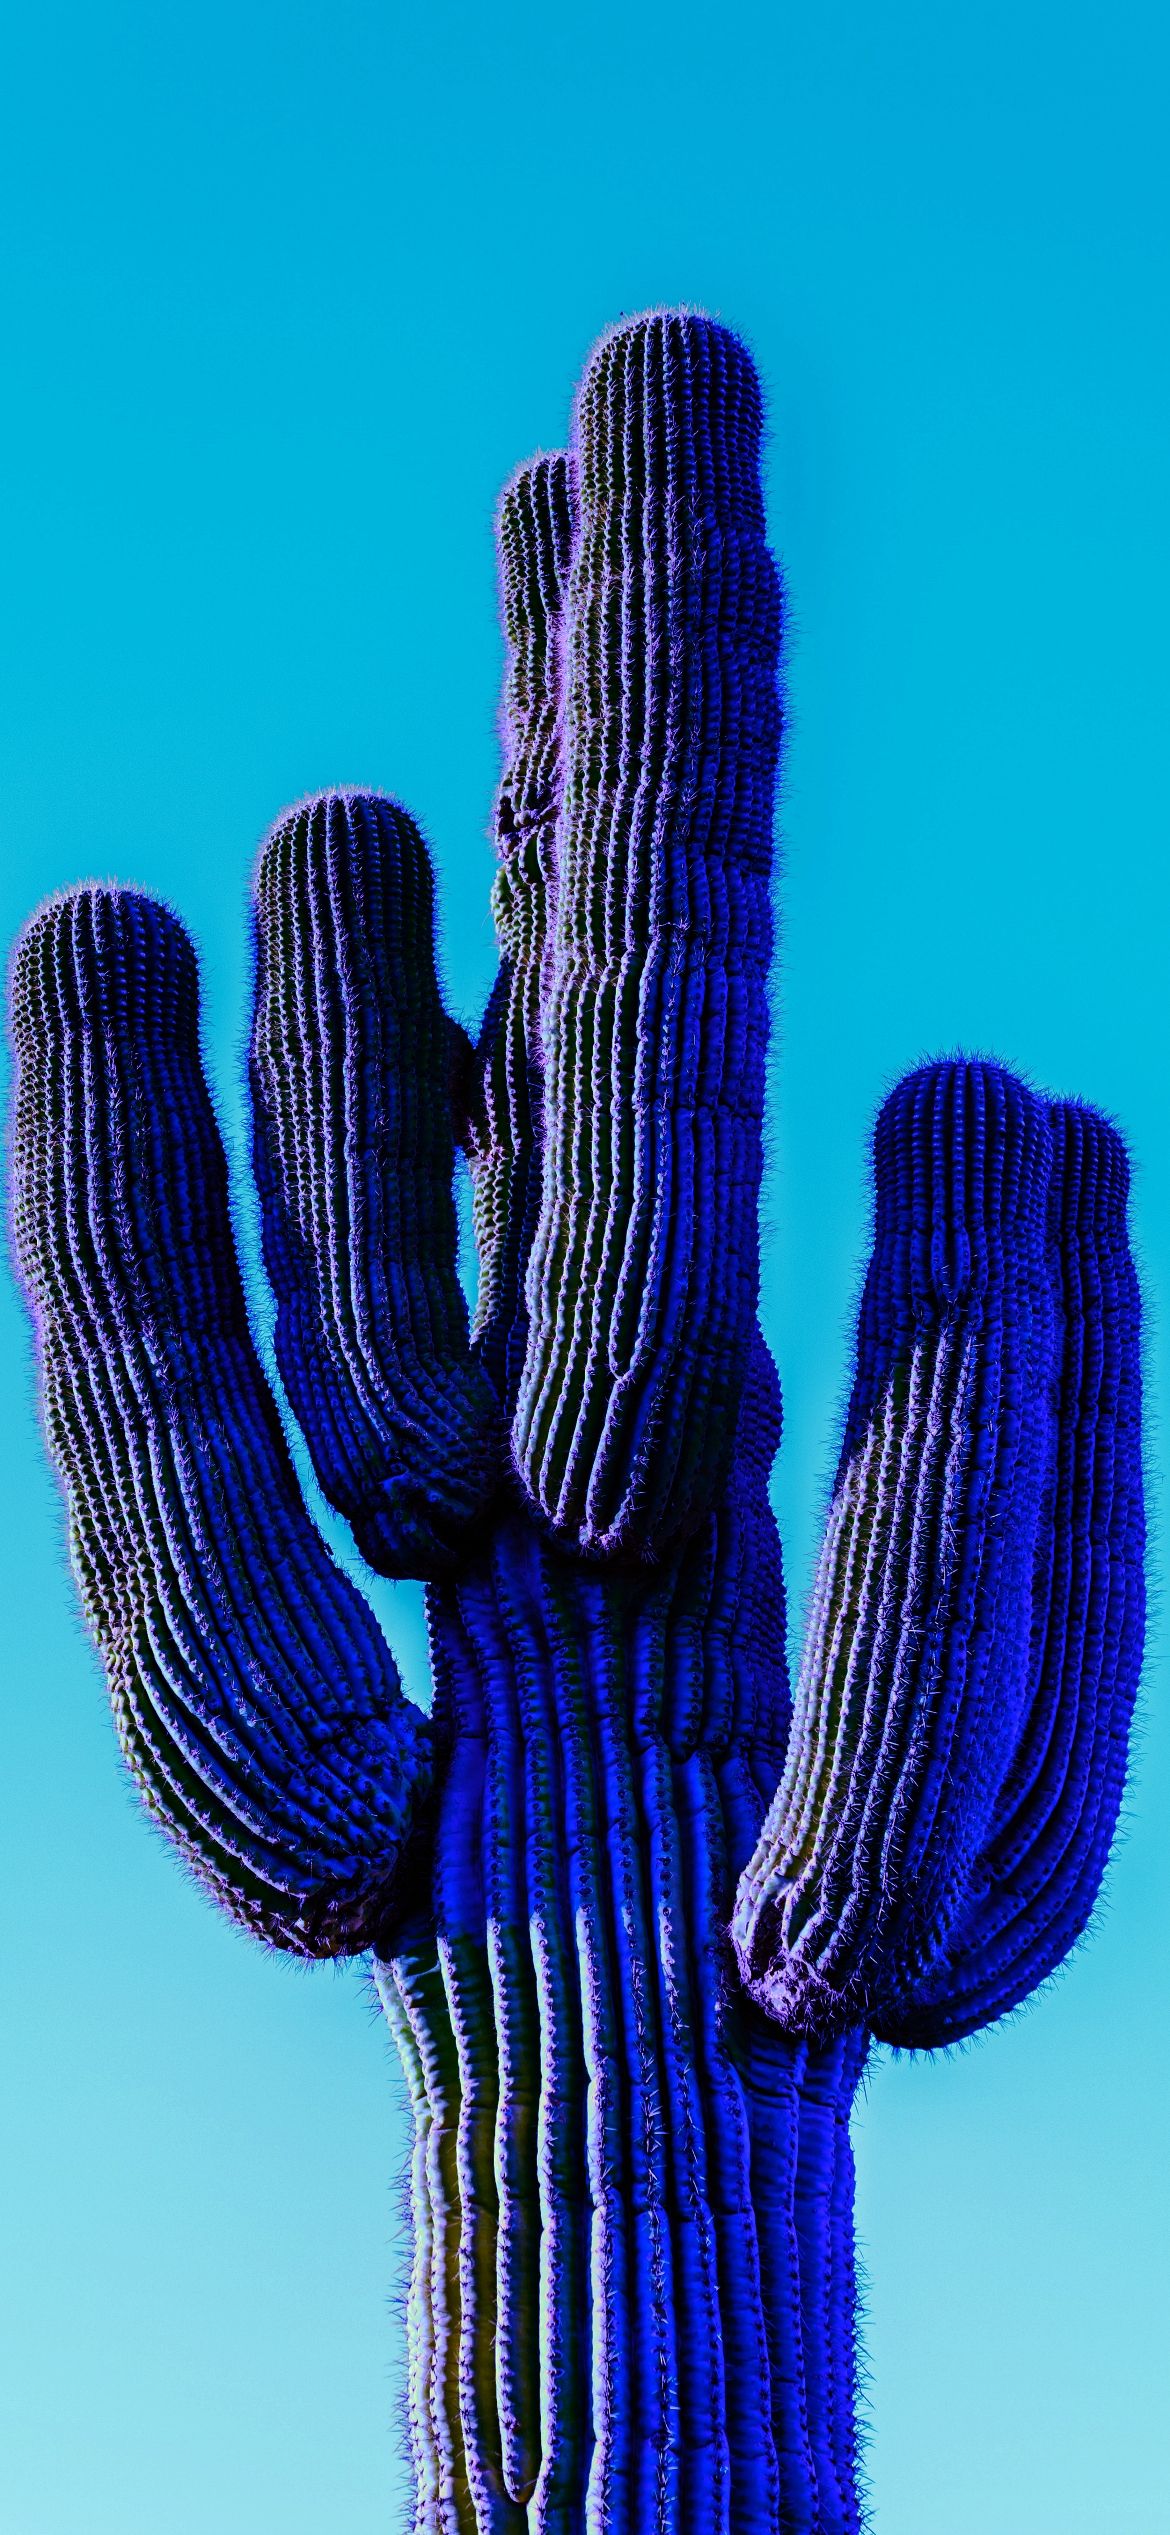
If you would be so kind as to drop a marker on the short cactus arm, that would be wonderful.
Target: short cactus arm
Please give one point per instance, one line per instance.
(503, 1131)
(255, 1700)
(352, 1059)
(642, 1282)
(957, 1745)
(1040, 1867)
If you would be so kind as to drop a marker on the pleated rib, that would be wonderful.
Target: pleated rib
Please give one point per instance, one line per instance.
(255, 1700)
(643, 1274)
(538, 1837)
(505, 1127)
(445, 2494)
(916, 1669)
(351, 1069)
(397, 1989)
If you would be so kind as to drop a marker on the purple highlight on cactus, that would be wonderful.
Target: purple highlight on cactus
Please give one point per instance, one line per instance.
(635, 1921)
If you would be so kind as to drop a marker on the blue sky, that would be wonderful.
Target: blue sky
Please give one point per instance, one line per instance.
(289, 289)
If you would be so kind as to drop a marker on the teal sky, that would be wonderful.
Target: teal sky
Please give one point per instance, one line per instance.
(289, 290)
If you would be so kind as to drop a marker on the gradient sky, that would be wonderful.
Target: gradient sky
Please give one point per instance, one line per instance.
(289, 290)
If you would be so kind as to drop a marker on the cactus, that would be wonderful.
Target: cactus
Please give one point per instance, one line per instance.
(635, 1917)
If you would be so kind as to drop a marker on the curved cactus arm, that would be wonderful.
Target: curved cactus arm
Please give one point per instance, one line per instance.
(642, 1282)
(503, 1132)
(351, 1069)
(255, 1700)
(1040, 1867)
(915, 1682)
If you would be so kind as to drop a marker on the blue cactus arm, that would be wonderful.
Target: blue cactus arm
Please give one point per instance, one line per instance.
(352, 1065)
(256, 1702)
(974, 1642)
(643, 1274)
(1046, 1846)
(503, 1131)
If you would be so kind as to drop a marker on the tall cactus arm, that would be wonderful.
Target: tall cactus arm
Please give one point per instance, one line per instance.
(351, 1070)
(504, 1130)
(255, 1700)
(958, 1740)
(642, 1283)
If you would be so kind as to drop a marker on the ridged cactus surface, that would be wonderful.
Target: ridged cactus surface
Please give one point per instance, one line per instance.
(636, 1917)
(644, 1268)
(956, 1762)
(352, 1058)
(256, 1701)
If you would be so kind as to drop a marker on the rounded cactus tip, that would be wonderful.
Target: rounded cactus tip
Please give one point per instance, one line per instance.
(1093, 1164)
(681, 322)
(539, 468)
(345, 797)
(683, 341)
(88, 902)
(129, 948)
(669, 411)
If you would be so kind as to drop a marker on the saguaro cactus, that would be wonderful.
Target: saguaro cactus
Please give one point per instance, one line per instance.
(634, 1919)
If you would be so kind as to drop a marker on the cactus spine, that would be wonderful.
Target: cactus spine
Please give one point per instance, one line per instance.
(635, 1920)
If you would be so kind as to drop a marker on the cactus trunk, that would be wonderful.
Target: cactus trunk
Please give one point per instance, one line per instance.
(632, 2302)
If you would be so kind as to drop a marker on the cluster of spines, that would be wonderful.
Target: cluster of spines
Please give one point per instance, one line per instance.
(255, 1700)
(352, 1059)
(974, 1642)
(643, 1275)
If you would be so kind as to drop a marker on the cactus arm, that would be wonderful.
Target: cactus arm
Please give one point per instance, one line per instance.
(504, 1139)
(914, 1682)
(254, 1698)
(1045, 1850)
(351, 1069)
(643, 1277)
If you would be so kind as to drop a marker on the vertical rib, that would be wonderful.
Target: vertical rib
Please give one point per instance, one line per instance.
(563, 2359)
(395, 1985)
(445, 2501)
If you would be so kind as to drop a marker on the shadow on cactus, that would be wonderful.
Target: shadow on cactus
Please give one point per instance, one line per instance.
(635, 1914)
